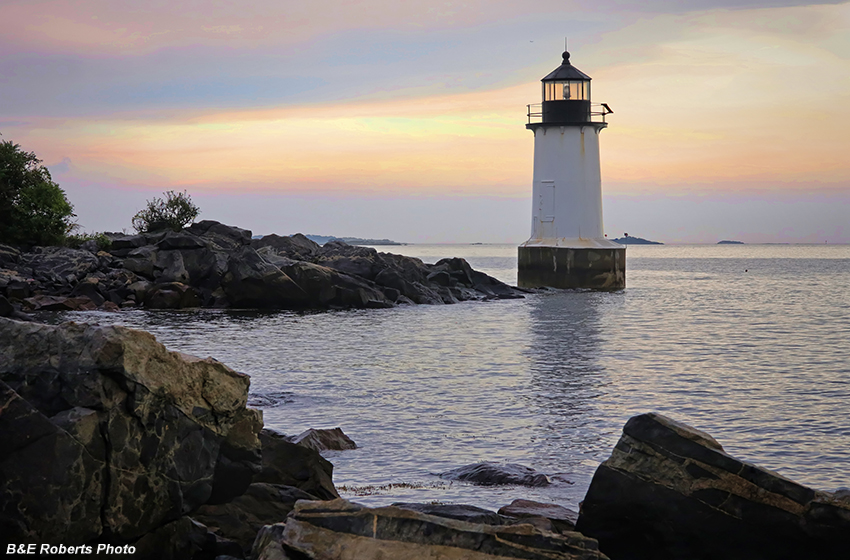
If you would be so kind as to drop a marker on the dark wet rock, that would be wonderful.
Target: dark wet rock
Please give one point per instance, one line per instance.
(172, 295)
(341, 530)
(139, 290)
(224, 267)
(669, 491)
(461, 512)
(6, 308)
(169, 267)
(330, 288)
(560, 518)
(106, 434)
(69, 265)
(142, 261)
(205, 267)
(17, 287)
(288, 464)
(59, 303)
(325, 440)
(180, 240)
(297, 247)
(491, 474)
(121, 246)
(183, 539)
(252, 282)
(220, 236)
(89, 288)
(241, 519)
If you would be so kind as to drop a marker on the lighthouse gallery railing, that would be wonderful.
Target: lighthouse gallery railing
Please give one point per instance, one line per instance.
(597, 112)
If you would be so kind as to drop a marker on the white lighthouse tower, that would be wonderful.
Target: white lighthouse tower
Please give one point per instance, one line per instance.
(567, 248)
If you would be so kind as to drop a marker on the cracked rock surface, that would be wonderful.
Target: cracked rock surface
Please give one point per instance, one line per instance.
(669, 491)
(108, 435)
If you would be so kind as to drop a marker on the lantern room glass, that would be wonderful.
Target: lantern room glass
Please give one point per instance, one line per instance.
(572, 90)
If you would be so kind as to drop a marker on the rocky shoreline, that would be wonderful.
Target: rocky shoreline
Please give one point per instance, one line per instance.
(110, 439)
(209, 264)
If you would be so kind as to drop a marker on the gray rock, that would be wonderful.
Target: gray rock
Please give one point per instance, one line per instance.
(59, 303)
(325, 440)
(491, 474)
(121, 246)
(669, 491)
(90, 288)
(141, 261)
(172, 295)
(560, 518)
(105, 432)
(180, 240)
(169, 267)
(71, 265)
(296, 247)
(252, 282)
(220, 236)
(288, 464)
(328, 288)
(341, 530)
(240, 519)
(461, 512)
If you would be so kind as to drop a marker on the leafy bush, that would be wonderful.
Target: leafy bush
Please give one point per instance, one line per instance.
(75, 241)
(33, 209)
(174, 212)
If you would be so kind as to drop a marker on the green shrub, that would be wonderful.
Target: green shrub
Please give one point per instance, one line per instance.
(33, 209)
(173, 213)
(75, 240)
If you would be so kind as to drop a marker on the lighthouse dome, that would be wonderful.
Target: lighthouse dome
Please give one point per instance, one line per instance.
(565, 71)
(566, 95)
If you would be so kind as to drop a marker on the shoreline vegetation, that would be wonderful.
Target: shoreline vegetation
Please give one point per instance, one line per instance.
(110, 439)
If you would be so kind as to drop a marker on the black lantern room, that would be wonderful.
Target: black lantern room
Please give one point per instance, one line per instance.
(566, 95)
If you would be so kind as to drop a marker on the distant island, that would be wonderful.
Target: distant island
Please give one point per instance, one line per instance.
(322, 239)
(630, 240)
(728, 242)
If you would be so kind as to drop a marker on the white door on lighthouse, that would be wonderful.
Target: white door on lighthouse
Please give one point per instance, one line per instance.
(546, 210)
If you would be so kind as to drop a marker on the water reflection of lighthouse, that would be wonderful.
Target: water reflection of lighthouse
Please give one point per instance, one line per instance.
(567, 248)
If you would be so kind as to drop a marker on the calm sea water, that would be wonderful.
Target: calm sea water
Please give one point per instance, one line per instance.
(747, 342)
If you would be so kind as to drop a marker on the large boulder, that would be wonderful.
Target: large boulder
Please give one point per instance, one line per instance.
(551, 516)
(341, 530)
(288, 464)
(60, 263)
(220, 236)
(106, 434)
(332, 439)
(240, 519)
(297, 246)
(251, 281)
(328, 288)
(669, 491)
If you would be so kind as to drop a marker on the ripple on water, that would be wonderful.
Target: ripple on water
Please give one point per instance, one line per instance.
(745, 342)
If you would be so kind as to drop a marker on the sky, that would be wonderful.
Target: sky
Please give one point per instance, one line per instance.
(406, 120)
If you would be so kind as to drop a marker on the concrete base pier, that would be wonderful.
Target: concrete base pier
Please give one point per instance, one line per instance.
(597, 268)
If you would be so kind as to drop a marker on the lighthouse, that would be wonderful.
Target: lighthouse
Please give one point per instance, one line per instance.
(567, 248)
